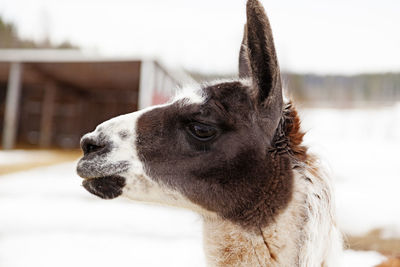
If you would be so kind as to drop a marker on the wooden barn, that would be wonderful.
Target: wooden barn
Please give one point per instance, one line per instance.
(50, 98)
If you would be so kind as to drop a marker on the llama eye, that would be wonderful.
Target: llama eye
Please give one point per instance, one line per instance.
(202, 132)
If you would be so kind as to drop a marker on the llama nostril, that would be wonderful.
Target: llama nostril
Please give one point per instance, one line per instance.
(90, 146)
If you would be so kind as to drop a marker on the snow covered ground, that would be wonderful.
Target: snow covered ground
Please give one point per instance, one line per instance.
(16, 157)
(48, 219)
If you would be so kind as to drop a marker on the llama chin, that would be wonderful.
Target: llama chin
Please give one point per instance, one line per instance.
(231, 151)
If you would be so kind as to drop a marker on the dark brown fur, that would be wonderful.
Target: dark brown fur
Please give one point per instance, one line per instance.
(238, 175)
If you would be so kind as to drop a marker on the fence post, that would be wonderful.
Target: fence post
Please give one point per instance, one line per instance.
(11, 113)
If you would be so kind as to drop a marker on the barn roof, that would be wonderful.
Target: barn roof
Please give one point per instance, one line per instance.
(72, 68)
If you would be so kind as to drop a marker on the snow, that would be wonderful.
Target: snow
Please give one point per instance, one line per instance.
(48, 219)
(362, 258)
(14, 157)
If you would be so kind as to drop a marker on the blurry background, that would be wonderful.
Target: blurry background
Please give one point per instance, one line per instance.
(66, 66)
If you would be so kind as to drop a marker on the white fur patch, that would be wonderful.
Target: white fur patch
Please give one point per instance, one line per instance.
(192, 94)
(244, 81)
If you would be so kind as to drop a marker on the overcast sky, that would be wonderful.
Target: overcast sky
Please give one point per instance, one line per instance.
(320, 36)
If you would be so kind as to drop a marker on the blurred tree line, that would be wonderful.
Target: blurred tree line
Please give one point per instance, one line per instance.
(344, 91)
(335, 90)
(9, 39)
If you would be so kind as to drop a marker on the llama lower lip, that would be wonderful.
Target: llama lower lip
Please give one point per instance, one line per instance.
(107, 187)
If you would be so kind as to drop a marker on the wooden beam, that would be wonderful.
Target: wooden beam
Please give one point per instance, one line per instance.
(48, 105)
(11, 114)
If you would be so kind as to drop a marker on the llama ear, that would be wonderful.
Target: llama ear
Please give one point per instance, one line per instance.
(244, 69)
(259, 56)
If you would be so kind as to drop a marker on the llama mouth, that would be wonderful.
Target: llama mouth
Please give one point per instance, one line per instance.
(100, 168)
(107, 187)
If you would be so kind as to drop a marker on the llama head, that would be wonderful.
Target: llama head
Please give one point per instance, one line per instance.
(208, 149)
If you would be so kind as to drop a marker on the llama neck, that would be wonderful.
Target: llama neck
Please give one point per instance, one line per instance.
(304, 234)
(227, 244)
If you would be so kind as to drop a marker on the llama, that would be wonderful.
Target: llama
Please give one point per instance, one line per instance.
(231, 151)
